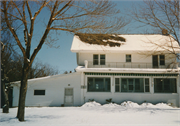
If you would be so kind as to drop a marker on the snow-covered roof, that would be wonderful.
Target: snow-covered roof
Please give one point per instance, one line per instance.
(135, 42)
(44, 78)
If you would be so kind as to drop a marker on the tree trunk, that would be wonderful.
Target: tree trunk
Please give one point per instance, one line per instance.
(6, 103)
(22, 95)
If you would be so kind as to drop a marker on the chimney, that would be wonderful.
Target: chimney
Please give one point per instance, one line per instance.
(165, 32)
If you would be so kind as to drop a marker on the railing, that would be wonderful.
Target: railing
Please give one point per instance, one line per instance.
(126, 65)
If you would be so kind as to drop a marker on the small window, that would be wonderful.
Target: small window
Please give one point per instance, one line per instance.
(102, 59)
(128, 58)
(39, 92)
(162, 60)
(95, 59)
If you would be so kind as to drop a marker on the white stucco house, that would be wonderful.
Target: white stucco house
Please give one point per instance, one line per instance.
(139, 68)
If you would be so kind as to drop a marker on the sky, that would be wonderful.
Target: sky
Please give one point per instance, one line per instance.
(62, 58)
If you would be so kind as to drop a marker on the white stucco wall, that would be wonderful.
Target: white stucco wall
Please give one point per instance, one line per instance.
(136, 58)
(54, 90)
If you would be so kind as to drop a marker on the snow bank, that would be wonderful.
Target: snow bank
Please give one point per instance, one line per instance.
(111, 105)
(159, 105)
(148, 105)
(130, 104)
(91, 104)
(163, 105)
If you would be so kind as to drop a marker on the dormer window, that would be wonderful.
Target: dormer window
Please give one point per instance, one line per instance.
(99, 59)
(128, 58)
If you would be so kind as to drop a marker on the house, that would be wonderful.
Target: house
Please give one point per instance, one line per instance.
(140, 68)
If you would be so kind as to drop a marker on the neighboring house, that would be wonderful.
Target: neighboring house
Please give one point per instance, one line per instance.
(139, 68)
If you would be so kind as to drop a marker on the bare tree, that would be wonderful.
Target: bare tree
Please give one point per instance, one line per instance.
(70, 15)
(163, 16)
(40, 69)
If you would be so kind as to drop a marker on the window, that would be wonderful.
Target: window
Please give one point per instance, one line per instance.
(167, 85)
(162, 60)
(132, 85)
(99, 84)
(102, 59)
(95, 59)
(39, 92)
(117, 85)
(128, 58)
(155, 61)
(146, 84)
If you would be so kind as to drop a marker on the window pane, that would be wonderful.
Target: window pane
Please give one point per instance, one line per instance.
(102, 59)
(102, 56)
(107, 84)
(137, 84)
(90, 84)
(95, 59)
(102, 62)
(128, 58)
(95, 56)
(39, 92)
(130, 87)
(123, 85)
(146, 84)
(165, 85)
(155, 61)
(162, 60)
(99, 84)
(158, 85)
(116, 84)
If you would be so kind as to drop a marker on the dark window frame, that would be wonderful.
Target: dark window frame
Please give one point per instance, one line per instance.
(102, 59)
(93, 87)
(161, 83)
(143, 87)
(95, 60)
(162, 59)
(40, 92)
(128, 59)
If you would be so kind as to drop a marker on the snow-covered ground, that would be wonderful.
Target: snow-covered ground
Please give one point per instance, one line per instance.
(95, 114)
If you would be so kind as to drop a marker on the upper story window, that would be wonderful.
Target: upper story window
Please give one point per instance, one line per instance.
(158, 60)
(99, 59)
(102, 59)
(95, 59)
(162, 59)
(128, 58)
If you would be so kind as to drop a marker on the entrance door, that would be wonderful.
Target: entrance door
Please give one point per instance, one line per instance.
(68, 97)
(155, 61)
